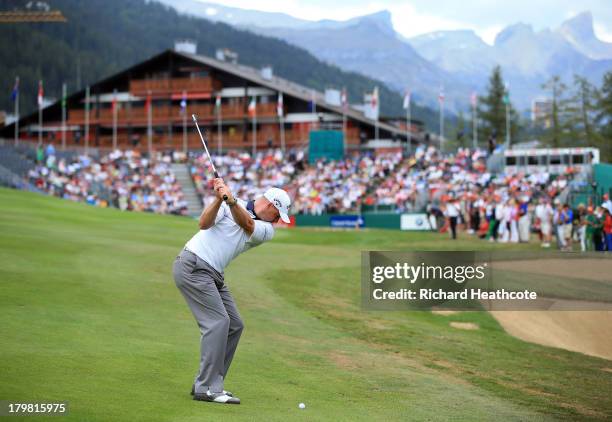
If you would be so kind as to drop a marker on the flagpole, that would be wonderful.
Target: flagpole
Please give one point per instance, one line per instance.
(185, 131)
(281, 120)
(254, 129)
(149, 125)
(40, 107)
(315, 121)
(64, 89)
(344, 104)
(474, 125)
(441, 101)
(507, 126)
(377, 105)
(507, 101)
(282, 133)
(87, 93)
(114, 119)
(219, 132)
(184, 112)
(17, 112)
(408, 119)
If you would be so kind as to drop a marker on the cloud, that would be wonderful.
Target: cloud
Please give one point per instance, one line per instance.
(602, 33)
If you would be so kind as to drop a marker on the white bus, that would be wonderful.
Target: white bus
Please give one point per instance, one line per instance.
(551, 160)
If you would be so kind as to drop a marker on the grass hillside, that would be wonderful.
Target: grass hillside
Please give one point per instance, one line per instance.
(91, 315)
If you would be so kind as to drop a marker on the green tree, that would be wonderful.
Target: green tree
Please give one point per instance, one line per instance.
(581, 109)
(557, 115)
(603, 117)
(492, 110)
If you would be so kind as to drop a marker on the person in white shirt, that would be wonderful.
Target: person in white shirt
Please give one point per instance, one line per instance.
(607, 203)
(227, 229)
(452, 213)
(544, 213)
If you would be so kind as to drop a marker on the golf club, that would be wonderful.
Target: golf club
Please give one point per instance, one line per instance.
(195, 120)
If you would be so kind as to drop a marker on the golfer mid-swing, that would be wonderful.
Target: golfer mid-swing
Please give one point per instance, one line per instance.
(227, 228)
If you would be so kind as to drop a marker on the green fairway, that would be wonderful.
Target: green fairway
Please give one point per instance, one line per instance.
(91, 315)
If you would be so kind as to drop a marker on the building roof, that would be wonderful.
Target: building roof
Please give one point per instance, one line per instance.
(246, 72)
(290, 88)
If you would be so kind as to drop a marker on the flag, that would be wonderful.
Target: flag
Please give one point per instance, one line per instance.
(474, 99)
(40, 94)
(148, 102)
(406, 100)
(506, 98)
(64, 95)
(114, 102)
(374, 104)
(441, 95)
(15, 92)
(252, 107)
(343, 99)
(218, 102)
(312, 106)
(374, 98)
(279, 105)
(184, 103)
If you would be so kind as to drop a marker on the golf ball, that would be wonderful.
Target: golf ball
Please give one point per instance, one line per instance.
(302, 406)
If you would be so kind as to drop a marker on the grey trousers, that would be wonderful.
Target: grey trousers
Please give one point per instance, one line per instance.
(215, 312)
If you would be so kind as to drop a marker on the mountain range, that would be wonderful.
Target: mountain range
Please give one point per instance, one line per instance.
(459, 61)
(102, 37)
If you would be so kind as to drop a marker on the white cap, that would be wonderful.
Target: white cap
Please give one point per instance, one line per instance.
(281, 201)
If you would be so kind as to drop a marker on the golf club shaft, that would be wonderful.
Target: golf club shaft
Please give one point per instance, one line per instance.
(215, 173)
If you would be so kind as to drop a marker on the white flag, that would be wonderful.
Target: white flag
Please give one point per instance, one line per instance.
(406, 100)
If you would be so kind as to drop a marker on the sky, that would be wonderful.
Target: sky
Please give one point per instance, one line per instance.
(415, 17)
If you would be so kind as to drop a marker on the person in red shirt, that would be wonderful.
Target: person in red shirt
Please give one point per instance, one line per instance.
(607, 229)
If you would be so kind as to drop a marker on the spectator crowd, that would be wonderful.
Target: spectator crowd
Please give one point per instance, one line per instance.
(121, 179)
(456, 191)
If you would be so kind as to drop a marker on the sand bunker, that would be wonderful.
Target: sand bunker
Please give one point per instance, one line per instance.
(585, 268)
(464, 325)
(588, 332)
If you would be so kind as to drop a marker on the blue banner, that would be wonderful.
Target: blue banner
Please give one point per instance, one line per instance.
(346, 221)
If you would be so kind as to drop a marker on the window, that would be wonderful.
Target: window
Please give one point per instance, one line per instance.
(555, 160)
(532, 160)
(578, 159)
(510, 161)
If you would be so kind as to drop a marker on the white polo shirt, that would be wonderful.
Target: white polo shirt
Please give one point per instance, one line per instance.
(225, 240)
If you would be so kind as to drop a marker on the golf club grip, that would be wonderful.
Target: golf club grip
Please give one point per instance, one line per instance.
(216, 177)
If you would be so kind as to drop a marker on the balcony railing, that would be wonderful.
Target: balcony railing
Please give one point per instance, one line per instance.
(141, 87)
(138, 115)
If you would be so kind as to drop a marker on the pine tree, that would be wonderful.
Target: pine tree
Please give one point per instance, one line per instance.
(557, 115)
(581, 109)
(492, 110)
(604, 117)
